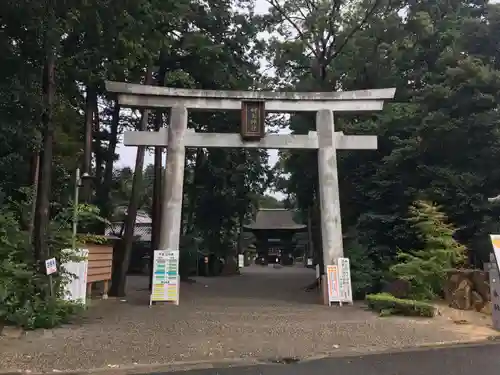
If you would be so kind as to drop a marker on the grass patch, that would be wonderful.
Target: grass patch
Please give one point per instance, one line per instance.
(386, 304)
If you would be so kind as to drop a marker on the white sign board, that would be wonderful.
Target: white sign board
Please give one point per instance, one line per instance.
(345, 286)
(241, 260)
(165, 285)
(495, 241)
(51, 266)
(76, 289)
(339, 282)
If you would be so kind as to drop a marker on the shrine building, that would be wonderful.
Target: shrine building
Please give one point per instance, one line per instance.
(278, 237)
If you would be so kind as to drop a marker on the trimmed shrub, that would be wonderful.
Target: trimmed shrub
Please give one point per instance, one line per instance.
(386, 304)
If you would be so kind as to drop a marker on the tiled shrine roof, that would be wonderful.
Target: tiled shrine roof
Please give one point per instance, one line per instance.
(274, 219)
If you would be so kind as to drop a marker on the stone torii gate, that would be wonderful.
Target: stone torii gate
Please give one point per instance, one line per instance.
(253, 105)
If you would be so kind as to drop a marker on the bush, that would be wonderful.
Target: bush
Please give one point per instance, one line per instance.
(386, 304)
(25, 300)
(43, 313)
(364, 276)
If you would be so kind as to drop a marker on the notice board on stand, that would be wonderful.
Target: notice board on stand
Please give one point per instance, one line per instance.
(345, 286)
(166, 280)
(339, 282)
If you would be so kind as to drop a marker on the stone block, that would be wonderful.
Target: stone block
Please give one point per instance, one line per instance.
(461, 297)
(487, 308)
(477, 301)
(480, 279)
(467, 289)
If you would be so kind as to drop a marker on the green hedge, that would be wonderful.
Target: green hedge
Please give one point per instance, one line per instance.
(386, 304)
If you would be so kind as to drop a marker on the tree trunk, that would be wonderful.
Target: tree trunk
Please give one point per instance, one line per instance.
(34, 171)
(104, 189)
(157, 184)
(41, 222)
(87, 147)
(98, 151)
(317, 237)
(119, 276)
(193, 188)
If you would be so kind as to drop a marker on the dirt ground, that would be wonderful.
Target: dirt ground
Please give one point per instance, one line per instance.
(262, 315)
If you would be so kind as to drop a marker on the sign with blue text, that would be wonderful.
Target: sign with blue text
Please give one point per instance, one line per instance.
(165, 285)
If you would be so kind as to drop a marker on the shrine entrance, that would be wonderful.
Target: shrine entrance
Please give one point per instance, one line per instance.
(277, 237)
(253, 106)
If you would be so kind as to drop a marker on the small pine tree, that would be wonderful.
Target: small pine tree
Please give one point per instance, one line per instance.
(426, 268)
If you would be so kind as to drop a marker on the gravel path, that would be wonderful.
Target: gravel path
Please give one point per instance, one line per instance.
(259, 315)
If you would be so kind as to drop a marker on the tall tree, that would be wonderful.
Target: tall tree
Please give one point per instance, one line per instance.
(42, 218)
(119, 277)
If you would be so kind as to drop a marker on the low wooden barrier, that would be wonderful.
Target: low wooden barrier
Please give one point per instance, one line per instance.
(100, 260)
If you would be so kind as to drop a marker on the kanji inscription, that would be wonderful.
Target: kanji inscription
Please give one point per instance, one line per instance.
(252, 120)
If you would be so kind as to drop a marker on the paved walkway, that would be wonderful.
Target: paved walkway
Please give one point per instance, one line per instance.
(484, 359)
(263, 314)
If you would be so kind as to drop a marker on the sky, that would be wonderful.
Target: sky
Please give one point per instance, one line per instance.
(128, 154)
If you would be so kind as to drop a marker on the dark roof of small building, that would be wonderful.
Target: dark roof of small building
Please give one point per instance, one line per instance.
(279, 218)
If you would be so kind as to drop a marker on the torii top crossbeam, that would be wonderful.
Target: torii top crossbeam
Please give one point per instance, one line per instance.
(144, 96)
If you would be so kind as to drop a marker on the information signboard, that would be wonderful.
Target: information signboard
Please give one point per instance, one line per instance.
(339, 282)
(332, 277)
(165, 285)
(345, 286)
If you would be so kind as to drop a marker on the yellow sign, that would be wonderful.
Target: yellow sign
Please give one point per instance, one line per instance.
(332, 276)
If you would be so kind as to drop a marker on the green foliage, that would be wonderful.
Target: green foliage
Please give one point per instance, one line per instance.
(439, 139)
(188, 257)
(364, 275)
(425, 268)
(385, 304)
(268, 201)
(24, 291)
(61, 232)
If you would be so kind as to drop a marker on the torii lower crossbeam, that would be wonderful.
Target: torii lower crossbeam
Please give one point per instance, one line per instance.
(270, 141)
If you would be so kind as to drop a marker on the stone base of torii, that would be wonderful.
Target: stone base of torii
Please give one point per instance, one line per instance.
(178, 137)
